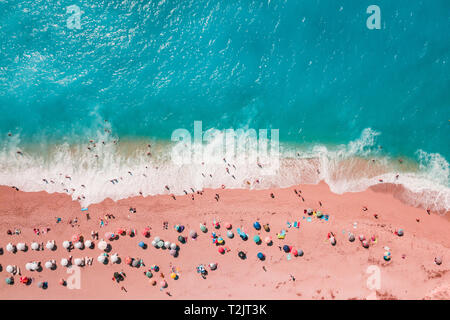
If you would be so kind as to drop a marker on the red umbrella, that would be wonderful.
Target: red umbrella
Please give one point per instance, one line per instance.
(221, 250)
(76, 238)
(128, 260)
(146, 232)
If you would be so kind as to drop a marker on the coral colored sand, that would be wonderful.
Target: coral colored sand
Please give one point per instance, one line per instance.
(324, 272)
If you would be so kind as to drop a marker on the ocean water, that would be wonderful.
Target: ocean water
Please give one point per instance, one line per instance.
(340, 94)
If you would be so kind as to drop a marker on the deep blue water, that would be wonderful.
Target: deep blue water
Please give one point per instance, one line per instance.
(309, 68)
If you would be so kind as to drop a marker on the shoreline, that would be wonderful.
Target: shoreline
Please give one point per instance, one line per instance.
(324, 272)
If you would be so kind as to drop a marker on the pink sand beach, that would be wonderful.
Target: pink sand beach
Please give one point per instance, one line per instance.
(345, 270)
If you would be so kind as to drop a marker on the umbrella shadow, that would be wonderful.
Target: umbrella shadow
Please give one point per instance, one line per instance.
(108, 248)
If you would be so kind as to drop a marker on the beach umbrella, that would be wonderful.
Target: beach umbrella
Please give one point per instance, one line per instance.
(10, 247)
(361, 237)
(128, 260)
(365, 244)
(21, 246)
(160, 244)
(135, 263)
(146, 232)
(66, 244)
(24, 280)
(193, 234)
(268, 240)
(173, 252)
(78, 245)
(286, 248)
(351, 237)
(78, 262)
(163, 284)
(220, 240)
(173, 246)
(256, 225)
(266, 227)
(50, 245)
(241, 255)
(400, 232)
(438, 261)
(167, 244)
(148, 274)
(141, 244)
(309, 211)
(9, 280)
(155, 268)
(260, 255)
(230, 234)
(300, 252)
(9, 269)
(114, 258)
(40, 285)
(294, 252)
(333, 241)
(102, 245)
(62, 282)
(221, 250)
(49, 264)
(157, 239)
(35, 246)
(154, 243)
(257, 239)
(101, 258)
(181, 239)
(76, 237)
(28, 266)
(34, 266)
(387, 256)
(228, 225)
(64, 262)
(88, 244)
(120, 231)
(203, 227)
(173, 275)
(213, 266)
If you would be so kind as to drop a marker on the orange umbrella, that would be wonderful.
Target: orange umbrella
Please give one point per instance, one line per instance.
(128, 260)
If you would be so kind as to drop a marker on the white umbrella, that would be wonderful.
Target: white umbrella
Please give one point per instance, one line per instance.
(114, 258)
(154, 243)
(10, 247)
(173, 246)
(10, 269)
(21, 246)
(66, 244)
(78, 262)
(35, 246)
(160, 244)
(64, 262)
(78, 245)
(167, 244)
(102, 245)
(101, 258)
(50, 245)
(34, 266)
(49, 264)
(157, 239)
(28, 266)
(88, 243)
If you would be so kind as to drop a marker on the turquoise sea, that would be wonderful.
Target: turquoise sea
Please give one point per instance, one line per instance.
(334, 89)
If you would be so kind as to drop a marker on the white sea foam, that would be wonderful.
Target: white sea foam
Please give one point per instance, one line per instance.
(345, 168)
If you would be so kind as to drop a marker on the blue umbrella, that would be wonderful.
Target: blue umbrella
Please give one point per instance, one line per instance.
(260, 255)
(142, 244)
(257, 225)
(286, 248)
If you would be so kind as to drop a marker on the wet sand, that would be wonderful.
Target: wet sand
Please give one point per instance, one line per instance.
(343, 271)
